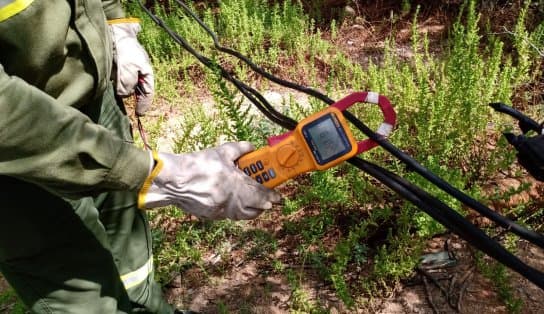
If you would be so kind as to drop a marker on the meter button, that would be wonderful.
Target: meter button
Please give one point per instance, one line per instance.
(272, 173)
(288, 156)
(260, 165)
(246, 171)
(259, 179)
(253, 168)
(265, 176)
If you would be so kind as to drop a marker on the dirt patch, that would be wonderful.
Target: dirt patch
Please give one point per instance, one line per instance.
(463, 289)
(3, 284)
(242, 284)
(242, 287)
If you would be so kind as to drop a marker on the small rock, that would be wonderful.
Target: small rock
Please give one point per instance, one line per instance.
(358, 27)
(349, 10)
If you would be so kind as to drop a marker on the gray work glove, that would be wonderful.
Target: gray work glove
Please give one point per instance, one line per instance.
(133, 72)
(206, 184)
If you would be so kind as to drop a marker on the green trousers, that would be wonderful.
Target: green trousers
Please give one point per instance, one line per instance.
(91, 255)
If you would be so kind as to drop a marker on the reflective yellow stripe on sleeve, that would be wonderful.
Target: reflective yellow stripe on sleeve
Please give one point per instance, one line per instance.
(124, 20)
(136, 277)
(9, 8)
(149, 180)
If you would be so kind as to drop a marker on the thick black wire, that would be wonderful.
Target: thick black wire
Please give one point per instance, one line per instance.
(450, 218)
(253, 66)
(445, 215)
(526, 124)
(502, 221)
(254, 96)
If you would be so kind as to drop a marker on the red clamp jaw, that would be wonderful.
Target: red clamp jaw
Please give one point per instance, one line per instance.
(385, 129)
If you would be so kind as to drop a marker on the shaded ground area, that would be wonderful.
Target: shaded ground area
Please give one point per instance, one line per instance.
(463, 289)
(249, 289)
(237, 281)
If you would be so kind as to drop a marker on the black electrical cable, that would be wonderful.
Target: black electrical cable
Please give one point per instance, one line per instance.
(502, 221)
(526, 124)
(248, 91)
(253, 66)
(450, 218)
(445, 215)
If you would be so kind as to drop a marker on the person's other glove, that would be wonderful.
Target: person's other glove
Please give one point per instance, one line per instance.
(133, 72)
(530, 153)
(206, 184)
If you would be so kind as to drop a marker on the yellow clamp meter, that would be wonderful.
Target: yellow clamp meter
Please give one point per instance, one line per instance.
(318, 142)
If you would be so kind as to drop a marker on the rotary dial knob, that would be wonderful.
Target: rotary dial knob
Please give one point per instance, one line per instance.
(288, 156)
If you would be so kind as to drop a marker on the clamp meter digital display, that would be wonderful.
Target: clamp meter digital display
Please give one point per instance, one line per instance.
(327, 138)
(318, 142)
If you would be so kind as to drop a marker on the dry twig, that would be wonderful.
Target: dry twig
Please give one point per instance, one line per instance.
(429, 295)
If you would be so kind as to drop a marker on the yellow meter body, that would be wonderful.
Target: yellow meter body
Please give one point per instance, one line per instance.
(319, 142)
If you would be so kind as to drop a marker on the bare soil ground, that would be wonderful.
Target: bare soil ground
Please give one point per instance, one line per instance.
(243, 284)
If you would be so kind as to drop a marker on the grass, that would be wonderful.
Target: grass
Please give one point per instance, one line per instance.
(9, 302)
(498, 274)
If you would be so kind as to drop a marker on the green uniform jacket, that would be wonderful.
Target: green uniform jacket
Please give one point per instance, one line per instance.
(55, 61)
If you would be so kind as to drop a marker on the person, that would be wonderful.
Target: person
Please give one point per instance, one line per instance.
(74, 237)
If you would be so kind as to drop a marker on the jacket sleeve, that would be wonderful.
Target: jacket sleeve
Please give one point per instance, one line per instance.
(59, 148)
(113, 9)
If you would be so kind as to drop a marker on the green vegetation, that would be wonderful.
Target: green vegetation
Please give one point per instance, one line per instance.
(9, 303)
(444, 122)
(496, 272)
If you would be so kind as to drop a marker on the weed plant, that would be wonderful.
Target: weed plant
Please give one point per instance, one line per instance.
(498, 274)
(267, 34)
(443, 122)
(9, 302)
